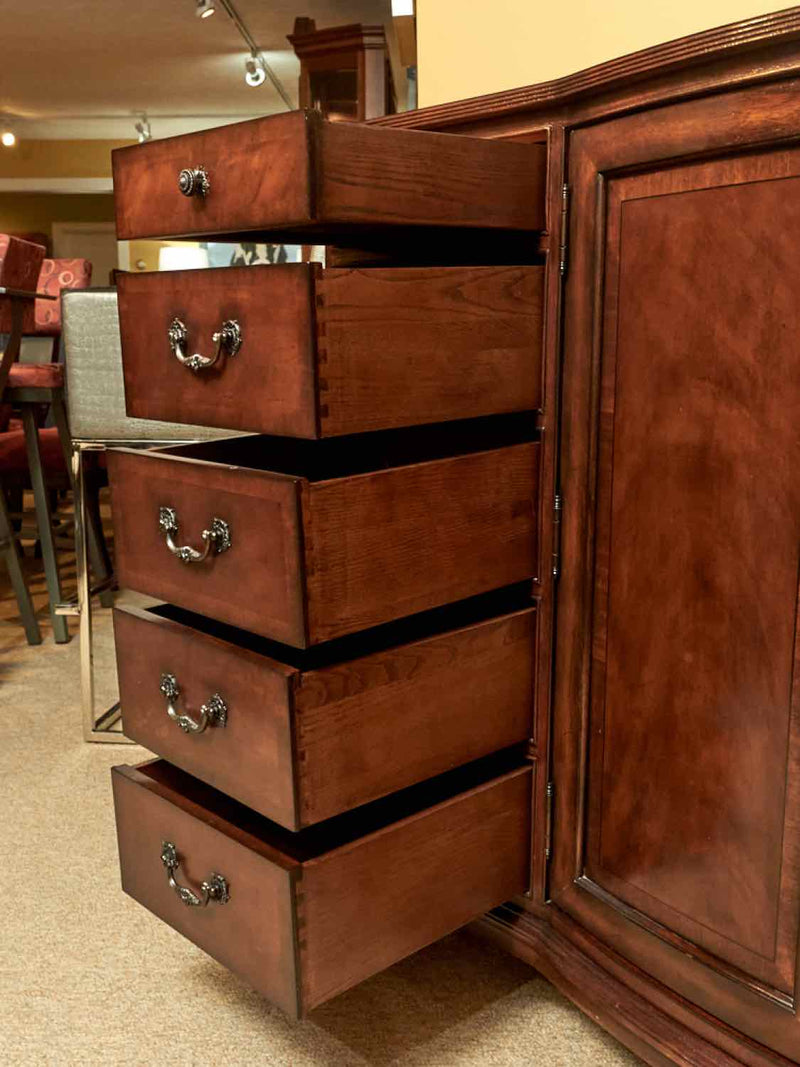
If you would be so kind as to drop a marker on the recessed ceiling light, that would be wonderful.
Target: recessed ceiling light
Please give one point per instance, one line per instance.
(204, 8)
(8, 138)
(254, 73)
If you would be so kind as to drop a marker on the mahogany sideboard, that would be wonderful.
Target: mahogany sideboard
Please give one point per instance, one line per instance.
(521, 608)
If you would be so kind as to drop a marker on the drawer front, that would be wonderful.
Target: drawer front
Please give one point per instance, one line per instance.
(296, 175)
(255, 584)
(330, 352)
(268, 385)
(248, 751)
(252, 934)
(369, 549)
(362, 728)
(300, 930)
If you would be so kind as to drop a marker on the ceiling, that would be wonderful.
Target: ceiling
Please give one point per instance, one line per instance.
(83, 68)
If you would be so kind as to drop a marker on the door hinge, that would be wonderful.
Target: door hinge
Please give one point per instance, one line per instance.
(557, 507)
(563, 248)
(548, 820)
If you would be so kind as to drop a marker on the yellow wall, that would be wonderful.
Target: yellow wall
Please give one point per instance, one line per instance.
(36, 212)
(58, 159)
(470, 47)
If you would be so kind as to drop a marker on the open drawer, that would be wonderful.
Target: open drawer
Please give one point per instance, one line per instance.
(319, 353)
(304, 916)
(301, 736)
(300, 177)
(303, 541)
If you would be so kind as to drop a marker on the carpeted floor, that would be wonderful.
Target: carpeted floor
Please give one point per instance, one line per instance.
(89, 977)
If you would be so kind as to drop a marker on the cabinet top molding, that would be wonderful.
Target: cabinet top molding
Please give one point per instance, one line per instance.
(647, 68)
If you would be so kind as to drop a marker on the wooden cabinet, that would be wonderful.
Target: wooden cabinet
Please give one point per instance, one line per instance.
(651, 506)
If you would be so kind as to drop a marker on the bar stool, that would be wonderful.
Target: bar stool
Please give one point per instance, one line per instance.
(47, 458)
(20, 262)
(96, 406)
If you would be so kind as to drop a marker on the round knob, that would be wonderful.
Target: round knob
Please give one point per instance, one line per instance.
(194, 181)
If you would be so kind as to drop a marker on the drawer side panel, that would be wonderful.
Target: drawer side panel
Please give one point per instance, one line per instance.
(371, 726)
(382, 898)
(409, 346)
(409, 177)
(385, 545)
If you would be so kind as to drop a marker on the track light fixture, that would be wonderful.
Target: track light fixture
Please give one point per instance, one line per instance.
(256, 67)
(254, 72)
(143, 129)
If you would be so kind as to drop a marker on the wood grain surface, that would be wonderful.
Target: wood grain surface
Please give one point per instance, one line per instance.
(301, 930)
(681, 360)
(384, 545)
(330, 352)
(362, 549)
(296, 175)
(405, 346)
(268, 386)
(301, 745)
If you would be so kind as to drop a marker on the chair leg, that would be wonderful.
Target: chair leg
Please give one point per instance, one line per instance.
(102, 567)
(8, 547)
(98, 553)
(44, 522)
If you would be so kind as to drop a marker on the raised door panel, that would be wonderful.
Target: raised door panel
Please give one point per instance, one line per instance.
(696, 575)
(685, 822)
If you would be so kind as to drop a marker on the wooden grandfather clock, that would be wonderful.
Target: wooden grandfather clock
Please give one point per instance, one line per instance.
(344, 71)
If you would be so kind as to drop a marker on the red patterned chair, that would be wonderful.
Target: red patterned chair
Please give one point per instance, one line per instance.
(42, 457)
(55, 276)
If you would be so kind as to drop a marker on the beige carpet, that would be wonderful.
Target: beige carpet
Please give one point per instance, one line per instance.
(89, 977)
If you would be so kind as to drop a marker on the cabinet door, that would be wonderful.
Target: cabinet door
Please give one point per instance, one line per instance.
(678, 697)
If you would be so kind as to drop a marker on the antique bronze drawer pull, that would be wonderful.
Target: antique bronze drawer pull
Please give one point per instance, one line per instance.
(228, 341)
(194, 181)
(214, 888)
(214, 713)
(216, 538)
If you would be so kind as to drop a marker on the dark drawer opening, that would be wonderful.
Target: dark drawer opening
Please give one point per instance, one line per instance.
(343, 457)
(292, 847)
(426, 624)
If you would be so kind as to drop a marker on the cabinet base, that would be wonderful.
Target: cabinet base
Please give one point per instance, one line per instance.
(658, 1026)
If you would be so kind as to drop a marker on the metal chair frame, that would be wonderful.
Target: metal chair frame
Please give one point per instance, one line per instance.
(105, 726)
(98, 419)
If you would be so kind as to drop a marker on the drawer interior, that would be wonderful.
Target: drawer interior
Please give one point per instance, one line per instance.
(290, 848)
(343, 457)
(377, 639)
